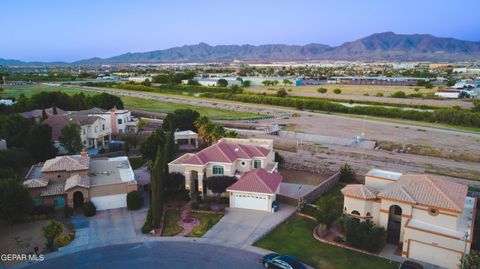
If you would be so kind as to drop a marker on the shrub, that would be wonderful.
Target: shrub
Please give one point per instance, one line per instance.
(322, 90)
(134, 200)
(65, 239)
(43, 210)
(399, 94)
(346, 173)
(364, 235)
(219, 184)
(337, 91)
(281, 93)
(326, 213)
(279, 159)
(50, 231)
(379, 94)
(175, 181)
(147, 226)
(89, 209)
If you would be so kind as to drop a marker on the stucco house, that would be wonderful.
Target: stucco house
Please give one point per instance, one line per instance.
(37, 114)
(117, 120)
(250, 161)
(75, 179)
(431, 219)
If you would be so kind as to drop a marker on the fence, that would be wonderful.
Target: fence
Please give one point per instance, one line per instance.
(287, 200)
(321, 188)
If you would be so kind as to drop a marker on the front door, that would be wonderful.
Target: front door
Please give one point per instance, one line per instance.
(394, 224)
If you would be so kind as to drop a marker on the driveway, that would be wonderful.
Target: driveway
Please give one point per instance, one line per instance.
(156, 255)
(240, 228)
(295, 190)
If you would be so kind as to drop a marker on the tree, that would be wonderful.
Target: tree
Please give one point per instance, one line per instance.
(132, 138)
(472, 260)
(175, 181)
(181, 119)
(14, 128)
(169, 148)
(282, 93)
(15, 201)
(326, 212)
(274, 82)
(39, 143)
(246, 83)
(476, 106)
(150, 146)
(157, 188)
(105, 101)
(70, 138)
(222, 82)
(219, 184)
(346, 173)
(50, 231)
(364, 234)
(322, 90)
(451, 82)
(134, 200)
(399, 94)
(337, 91)
(240, 80)
(287, 82)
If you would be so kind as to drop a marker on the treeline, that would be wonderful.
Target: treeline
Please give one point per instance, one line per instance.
(454, 116)
(64, 101)
(173, 78)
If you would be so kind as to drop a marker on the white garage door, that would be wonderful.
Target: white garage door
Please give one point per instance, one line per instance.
(251, 201)
(110, 201)
(434, 255)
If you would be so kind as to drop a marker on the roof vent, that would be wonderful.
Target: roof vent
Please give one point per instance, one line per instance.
(236, 149)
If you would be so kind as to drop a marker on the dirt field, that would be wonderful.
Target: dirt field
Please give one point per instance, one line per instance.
(301, 177)
(356, 92)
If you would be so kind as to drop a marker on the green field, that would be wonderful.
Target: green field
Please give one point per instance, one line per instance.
(294, 237)
(134, 103)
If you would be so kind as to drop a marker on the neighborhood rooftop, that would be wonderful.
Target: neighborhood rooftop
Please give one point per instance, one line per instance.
(259, 181)
(110, 171)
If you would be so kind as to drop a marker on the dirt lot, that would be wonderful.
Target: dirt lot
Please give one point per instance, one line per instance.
(302, 177)
(356, 92)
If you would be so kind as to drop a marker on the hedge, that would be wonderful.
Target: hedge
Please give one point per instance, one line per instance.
(89, 209)
(134, 200)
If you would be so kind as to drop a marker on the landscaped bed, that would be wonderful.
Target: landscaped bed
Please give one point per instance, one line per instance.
(170, 227)
(294, 237)
(207, 221)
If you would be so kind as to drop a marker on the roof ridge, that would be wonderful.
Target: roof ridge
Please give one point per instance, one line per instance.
(407, 194)
(221, 151)
(240, 146)
(261, 180)
(441, 192)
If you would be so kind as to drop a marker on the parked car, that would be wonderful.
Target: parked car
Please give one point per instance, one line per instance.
(275, 260)
(410, 265)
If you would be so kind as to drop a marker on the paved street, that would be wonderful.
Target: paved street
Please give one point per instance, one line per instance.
(242, 227)
(157, 255)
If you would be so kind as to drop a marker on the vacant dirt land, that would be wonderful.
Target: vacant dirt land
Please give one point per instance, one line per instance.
(301, 177)
(357, 92)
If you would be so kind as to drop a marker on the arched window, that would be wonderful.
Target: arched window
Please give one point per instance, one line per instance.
(355, 212)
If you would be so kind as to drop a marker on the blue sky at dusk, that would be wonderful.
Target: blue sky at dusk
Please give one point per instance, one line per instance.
(69, 30)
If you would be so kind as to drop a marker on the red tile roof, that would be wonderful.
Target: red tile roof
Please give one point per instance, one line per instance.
(360, 191)
(66, 163)
(226, 152)
(258, 180)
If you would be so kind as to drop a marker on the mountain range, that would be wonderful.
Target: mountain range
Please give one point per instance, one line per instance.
(386, 46)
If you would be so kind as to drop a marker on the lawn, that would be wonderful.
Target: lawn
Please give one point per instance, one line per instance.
(207, 221)
(29, 90)
(170, 227)
(136, 162)
(294, 237)
(167, 107)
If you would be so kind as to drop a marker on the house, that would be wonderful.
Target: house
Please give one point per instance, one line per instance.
(250, 161)
(93, 129)
(37, 114)
(75, 179)
(117, 120)
(431, 219)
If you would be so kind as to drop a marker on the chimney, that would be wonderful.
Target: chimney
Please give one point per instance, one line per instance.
(84, 153)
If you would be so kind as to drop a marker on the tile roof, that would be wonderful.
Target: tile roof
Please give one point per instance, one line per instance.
(66, 163)
(57, 122)
(77, 180)
(427, 190)
(226, 152)
(35, 183)
(258, 180)
(56, 189)
(360, 191)
(38, 113)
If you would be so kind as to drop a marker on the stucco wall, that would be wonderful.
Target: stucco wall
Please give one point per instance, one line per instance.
(61, 176)
(376, 183)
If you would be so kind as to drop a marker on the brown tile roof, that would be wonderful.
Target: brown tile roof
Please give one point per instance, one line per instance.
(427, 190)
(258, 180)
(226, 152)
(57, 122)
(38, 113)
(359, 191)
(35, 183)
(66, 163)
(77, 180)
(56, 189)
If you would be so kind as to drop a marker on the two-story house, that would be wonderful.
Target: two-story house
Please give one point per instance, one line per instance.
(251, 161)
(431, 219)
(117, 120)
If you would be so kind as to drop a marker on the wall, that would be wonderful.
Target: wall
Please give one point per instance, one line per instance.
(53, 177)
(110, 189)
(321, 188)
(422, 213)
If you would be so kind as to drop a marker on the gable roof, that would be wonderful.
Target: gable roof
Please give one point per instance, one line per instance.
(360, 191)
(35, 183)
(57, 122)
(258, 180)
(38, 113)
(77, 180)
(427, 190)
(66, 163)
(226, 152)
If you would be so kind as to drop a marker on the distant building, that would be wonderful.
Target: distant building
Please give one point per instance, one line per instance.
(37, 114)
(139, 79)
(355, 80)
(7, 102)
(3, 144)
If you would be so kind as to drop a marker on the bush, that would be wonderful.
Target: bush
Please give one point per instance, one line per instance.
(364, 235)
(281, 93)
(337, 91)
(322, 90)
(89, 209)
(147, 226)
(134, 200)
(43, 210)
(326, 213)
(379, 94)
(398, 94)
(175, 181)
(65, 239)
(279, 159)
(346, 173)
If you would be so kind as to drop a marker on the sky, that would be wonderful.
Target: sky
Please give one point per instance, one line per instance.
(70, 30)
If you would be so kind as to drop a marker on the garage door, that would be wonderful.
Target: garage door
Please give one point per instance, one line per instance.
(251, 201)
(434, 255)
(110, 201)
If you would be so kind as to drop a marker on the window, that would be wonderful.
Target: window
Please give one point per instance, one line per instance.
(119, 121)
(217, 170)
(59, 176)
(433, 211)
(103, 126)
(242, 163)
(257, 163)
(59, 202)
(84, 130)
(37, 202)
(96, 129)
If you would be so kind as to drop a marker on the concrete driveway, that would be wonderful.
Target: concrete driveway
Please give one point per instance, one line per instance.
(242, 227)
(295, 190)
